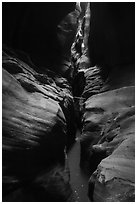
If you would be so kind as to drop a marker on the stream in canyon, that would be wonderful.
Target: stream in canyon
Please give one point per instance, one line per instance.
(78, 180)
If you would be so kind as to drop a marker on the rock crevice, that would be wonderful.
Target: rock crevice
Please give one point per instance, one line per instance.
(87, 83)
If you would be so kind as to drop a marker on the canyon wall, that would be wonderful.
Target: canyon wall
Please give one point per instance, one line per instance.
(68, 66)
(107, 101)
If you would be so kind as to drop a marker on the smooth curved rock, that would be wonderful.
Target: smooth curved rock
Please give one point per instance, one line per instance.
(30, 122)
(41, 188)
(109, 132)
(38, 106)
(105, 99)
(49, 84)
(36, 128)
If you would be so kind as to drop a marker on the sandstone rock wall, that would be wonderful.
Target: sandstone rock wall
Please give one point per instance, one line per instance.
(92, 46)
(105, 93)
(38, 124)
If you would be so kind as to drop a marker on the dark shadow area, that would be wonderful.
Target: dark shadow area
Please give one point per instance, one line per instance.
(32, 28)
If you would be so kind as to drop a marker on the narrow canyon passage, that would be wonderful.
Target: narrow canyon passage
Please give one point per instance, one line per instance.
(68, 102)
(78, 179)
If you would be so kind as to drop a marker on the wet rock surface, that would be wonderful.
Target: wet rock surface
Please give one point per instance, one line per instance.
(78, 178)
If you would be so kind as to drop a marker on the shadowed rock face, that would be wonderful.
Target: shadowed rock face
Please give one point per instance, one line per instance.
(109, 129)
(112, 33)
(36, 128)
(106, 101)
(32, 28)
(38, 109)
(92, 45)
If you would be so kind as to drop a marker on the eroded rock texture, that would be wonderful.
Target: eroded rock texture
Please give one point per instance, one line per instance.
(38, 123)
(111, 119)
(82, 75)
(106, 103)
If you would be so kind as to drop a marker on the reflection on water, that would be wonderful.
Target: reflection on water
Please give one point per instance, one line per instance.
(78, 180)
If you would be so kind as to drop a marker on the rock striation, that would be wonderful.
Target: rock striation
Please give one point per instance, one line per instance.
(82, 78)
(105, 94)
(37, 125)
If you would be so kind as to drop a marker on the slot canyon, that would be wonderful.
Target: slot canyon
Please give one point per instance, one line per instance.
(68, 102)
